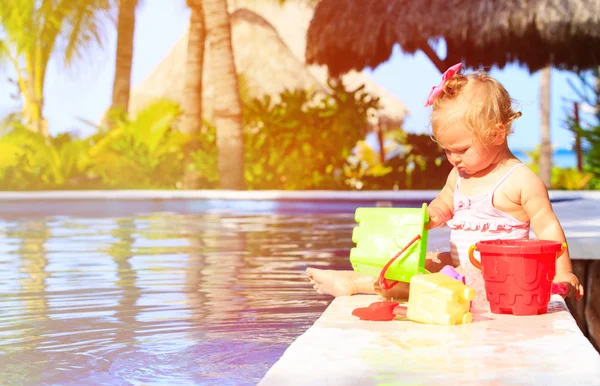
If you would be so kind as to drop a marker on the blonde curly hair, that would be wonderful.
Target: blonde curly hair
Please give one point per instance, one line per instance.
(487, 107)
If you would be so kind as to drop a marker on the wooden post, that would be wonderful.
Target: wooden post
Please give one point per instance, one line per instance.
(577, 137)
(545, 161)
(380, 140)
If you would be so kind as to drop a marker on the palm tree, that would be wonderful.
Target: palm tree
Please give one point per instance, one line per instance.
(191, 123)
(227, 110)
(124, 55)
(33, 32)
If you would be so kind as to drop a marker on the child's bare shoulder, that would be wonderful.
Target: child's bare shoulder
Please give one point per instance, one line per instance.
(524, 171)
(523, 180)
(452, 178)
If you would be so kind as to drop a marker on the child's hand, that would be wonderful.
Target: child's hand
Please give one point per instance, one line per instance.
(437, 217)
(571, 282)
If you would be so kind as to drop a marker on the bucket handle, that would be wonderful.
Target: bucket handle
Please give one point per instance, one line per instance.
(477, 264)
(472, 258)
(382, 280)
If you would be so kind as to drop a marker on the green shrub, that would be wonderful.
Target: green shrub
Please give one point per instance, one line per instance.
(303, 140)
(29, 161)
(421, 165)
(143, 151)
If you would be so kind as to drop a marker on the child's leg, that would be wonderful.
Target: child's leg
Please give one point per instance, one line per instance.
(343, 283)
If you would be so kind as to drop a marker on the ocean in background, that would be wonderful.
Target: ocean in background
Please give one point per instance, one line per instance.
(563, 158)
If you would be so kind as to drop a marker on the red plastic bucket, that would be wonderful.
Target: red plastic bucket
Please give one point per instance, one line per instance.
(518, 274)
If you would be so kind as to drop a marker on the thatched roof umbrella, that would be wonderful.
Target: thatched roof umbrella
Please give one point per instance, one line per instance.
(354, 34)
(562, 33)
(349, 35)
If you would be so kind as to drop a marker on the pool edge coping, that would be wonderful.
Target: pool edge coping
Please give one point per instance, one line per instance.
(271, 375)
(259, 195)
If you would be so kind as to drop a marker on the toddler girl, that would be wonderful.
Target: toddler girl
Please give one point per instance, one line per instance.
(488, 195)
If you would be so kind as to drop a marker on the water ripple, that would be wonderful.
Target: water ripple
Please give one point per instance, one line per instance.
(160, 298)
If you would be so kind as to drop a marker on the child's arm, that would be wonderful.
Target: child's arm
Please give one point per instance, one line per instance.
(544, 223)
(441, 208)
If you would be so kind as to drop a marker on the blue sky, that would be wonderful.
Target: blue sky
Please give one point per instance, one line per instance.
(85, 91)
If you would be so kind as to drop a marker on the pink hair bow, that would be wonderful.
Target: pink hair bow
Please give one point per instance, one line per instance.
(437, 90)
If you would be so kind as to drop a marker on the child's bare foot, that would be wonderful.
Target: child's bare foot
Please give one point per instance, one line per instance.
(339, 283)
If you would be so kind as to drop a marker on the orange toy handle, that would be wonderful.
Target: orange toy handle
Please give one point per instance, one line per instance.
(472, 258)
(562, 250)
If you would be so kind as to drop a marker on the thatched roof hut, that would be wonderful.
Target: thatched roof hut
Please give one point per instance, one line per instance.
(263, 59)
(350, 34)
(270, 56)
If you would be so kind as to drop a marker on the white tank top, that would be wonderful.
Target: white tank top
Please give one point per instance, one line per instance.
(475, 219)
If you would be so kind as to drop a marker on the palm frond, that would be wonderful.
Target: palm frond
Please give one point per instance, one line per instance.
(3, 53)
(69, 28)
(17, 20)
(9, 121)
(84, 27)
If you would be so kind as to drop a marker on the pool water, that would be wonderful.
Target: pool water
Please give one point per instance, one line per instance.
(159, 298)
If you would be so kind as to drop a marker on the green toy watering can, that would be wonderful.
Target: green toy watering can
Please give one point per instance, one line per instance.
(390, 243)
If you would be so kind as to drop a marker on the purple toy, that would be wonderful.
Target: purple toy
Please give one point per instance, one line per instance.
(449, 270)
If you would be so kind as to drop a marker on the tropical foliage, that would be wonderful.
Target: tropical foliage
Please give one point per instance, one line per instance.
(34, 32)
(29, 160)
(143, 151)
(587, 126)
(418, 163)
(563, 178)
(301, 140)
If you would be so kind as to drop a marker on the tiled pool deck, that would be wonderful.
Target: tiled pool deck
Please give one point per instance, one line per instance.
(341, 350)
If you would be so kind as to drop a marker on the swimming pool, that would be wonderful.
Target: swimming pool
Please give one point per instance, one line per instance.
(121, 292)
(211, 297)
